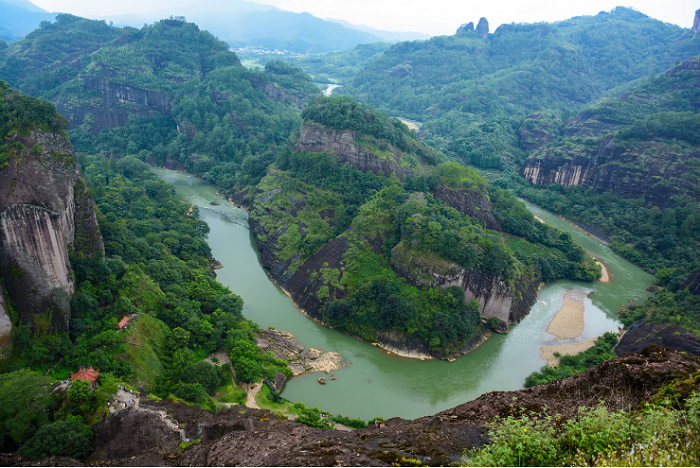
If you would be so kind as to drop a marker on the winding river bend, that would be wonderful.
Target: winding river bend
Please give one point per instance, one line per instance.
(381, 384)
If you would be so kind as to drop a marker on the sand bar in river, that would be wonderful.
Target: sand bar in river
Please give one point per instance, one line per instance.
(568, 323)
(605, 278)
(573, 348)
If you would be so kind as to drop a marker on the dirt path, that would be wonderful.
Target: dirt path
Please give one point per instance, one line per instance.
(252, 392)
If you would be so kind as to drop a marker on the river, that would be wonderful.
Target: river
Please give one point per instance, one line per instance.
(381, 384)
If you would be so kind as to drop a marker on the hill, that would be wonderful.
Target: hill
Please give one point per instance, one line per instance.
(472, 92)
(630, 167)
(169, 92)
(371, 233)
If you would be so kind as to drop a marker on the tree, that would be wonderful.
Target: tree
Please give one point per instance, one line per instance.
(70, 438)
(25, 397)
(203, 373)
(247, 370)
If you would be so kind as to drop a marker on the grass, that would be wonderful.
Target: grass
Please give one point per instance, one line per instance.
(147, 332)
(518, 244)
(229, 393)
(283, 407)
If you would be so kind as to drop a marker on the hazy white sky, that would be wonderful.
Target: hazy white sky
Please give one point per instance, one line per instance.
(431, 17)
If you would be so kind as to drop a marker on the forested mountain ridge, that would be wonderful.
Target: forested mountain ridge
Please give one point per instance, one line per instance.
(407, 260)
(473, 92)
(168, 91)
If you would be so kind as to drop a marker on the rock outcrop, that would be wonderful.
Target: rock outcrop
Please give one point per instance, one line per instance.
(233, 437)
(482, 28)
(498, 299)
(696, 22)
(467, 27)
(642, 334)
(318, 139)
(471, 203)
(46, 211)
(117, 102)
(283, 345)
(597, 151)
(692, 284)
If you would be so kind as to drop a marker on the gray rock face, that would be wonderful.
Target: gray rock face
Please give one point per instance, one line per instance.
(470, 203)
(693, 283)
(483, 27)
(497, 298)
(318, 139)
(116, 104)
(45, 209)
(467, 27)
(696, 22)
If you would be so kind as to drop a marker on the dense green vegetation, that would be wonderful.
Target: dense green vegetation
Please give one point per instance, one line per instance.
(19, 115)
(156, 269)
(663, 432)
(680, 309)
(399, 234)
(205, 111)
(571, 365)
(663, 242)
(473, 93)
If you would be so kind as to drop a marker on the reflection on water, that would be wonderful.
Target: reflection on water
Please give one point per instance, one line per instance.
(378, 383)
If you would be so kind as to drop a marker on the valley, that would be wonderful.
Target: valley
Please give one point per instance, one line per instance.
(379, 248)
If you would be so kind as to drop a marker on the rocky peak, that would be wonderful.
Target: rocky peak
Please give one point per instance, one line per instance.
(483, 27)
(46, 211)
(693, 281)
(696, 22)
(316, 138)
(467, 27)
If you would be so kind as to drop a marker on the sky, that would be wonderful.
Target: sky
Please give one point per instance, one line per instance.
(435, 17)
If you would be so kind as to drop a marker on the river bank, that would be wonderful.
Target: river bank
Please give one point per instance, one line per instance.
(378, 383)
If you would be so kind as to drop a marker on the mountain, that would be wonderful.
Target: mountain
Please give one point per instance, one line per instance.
(47, 216)
(390, 36)
(473, 90)
(371, 233)
(20, 17)
(168, 91)
(245, 24)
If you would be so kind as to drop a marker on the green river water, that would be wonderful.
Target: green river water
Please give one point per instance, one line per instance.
(381, 384)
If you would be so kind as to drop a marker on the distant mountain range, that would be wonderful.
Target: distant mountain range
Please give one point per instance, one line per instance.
(239, 23)
(246, 24)
(20, 17)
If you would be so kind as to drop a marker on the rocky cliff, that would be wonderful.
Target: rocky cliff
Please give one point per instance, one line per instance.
(252, 437)
(471, 203)
(499, 299)
(346, 146)
(46, 213)
(641, 145)
(117, 101)
(693, 283)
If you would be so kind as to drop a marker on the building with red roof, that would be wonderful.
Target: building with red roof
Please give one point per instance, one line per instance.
(123, 323)
(90, 375)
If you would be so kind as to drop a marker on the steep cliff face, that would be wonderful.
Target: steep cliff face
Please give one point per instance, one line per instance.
(641, 145)
(471, 203)
(318, 139)
(46, 212)
(498, 298)
(693, 283)
(117, 101)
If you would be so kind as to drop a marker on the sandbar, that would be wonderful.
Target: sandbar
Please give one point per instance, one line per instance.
(605, 277)
(573, 348)
(567, 324)
(540, 219)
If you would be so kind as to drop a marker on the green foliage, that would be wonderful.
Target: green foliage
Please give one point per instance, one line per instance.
(662, 434)
(644, 235)
(472, 93)
(70, 438)
(203, 373)
(315, 418)
(680, 309)
(192, 392)
(571, 365)
(26, 399)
